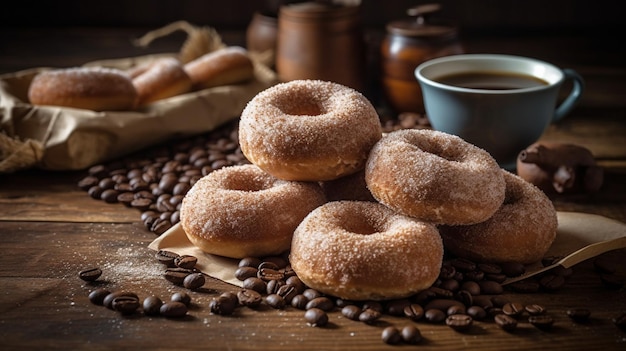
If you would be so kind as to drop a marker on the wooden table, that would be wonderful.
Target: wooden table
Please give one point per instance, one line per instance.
(50, 230)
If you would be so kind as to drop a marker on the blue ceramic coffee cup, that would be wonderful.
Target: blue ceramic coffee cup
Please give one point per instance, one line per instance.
(501, 103)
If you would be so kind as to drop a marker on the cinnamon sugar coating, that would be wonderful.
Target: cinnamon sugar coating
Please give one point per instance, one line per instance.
(522, 230)
(241, 211)
(161, 79)
(359, 250)
(434, 176)
(309, 130)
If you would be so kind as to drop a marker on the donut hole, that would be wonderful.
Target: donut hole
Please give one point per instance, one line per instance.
(303, 105)
(436, 148)
(358, 223)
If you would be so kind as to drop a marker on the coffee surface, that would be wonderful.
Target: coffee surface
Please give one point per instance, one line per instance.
(491, 80)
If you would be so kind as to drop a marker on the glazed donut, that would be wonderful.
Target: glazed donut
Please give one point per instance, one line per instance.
(159, 80)
(434, 176)
(241, 211)
(309, 130)
(225, 66)
(359, 250)
(94, 88)
(522, 230)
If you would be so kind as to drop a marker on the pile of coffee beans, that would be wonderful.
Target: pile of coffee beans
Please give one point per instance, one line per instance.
(129, 303)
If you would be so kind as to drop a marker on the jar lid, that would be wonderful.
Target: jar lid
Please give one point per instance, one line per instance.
(422, 26)
(318, 9)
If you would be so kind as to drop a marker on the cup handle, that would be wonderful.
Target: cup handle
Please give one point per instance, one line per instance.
(577, 90)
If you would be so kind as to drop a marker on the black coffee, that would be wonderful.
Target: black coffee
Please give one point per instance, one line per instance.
(491, 80)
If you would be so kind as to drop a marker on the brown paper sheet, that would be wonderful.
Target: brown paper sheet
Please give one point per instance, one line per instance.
(60, 138)
(575, 231)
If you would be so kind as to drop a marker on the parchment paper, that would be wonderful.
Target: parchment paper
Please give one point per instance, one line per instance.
(575, 231)
(61, 138)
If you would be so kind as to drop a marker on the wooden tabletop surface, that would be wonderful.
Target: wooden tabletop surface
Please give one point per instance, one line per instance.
(50, 229)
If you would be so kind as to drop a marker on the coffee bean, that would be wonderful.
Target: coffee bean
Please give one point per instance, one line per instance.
(411, 335)
(177, 275)
(551, 282)
(173, 309)
(297, 284)
(299, 301)
(513, 309)
(95, 192)
(276, 301)
(249, 298)
(543, 322)
(322, 302)
(181, 297)
(109, 196)
(108, 300)
(476, 275)
(456, 309)
(442, 304)
(483, 301)
(447, 271)
(472, 287)
(396, 307)
(369, 315)
(414, 311)
(459, 322)
(88, 182)
(535, 310)
(152, 306)
(256, 284)
(464, 297)
(477, 313)
(125, 304)
(505, 322)
(90, 274)
(391, 335)
(288, 292)
(579, 315)
(185, 261)
(194, 281)
(463, 265)
(97, 296)
(274, 285)
(223, 305)
(441, 293)
(450, 284)
(316, 317)
(489, 268)
(373, 305)
(166, 257)
(351, 312)
(489, 287)
(311, 294)
(434, 316)
(249, 262)
(499, 300)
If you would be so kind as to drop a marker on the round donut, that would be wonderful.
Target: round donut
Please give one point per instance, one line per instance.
(160, 79)
(522, 230)
(92, 88)
(309, 130)
(241, 211)
(435, 176)
(225, 66)
(359, 250)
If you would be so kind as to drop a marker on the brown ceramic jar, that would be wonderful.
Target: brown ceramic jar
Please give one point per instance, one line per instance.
(407, 44)
(319, 40)
(262, 31)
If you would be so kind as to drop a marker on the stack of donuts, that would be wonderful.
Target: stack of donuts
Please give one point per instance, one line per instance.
(364, 216)
(110, 89)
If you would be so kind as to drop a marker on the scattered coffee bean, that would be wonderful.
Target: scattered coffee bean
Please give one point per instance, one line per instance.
(152, 306)
(276, 301)
(108, 300)
(245, 272)
(323, 303)
(411, 335)
(456, 309)
(505, 322)
(273, 286)
(477, 313)
(543, 322)
(351, 312)
(125, 304)
(490, 287)
(166, 257)
(464, 265)
(299, 301)
(249, 298)
(194, 281)
(373, 305)
(311, 293)
(181, 297)
(97, 296)
(256, 284)
(249, 262)
(173, 309)
(391, 335)
(535, 310)
(459, 322)
(579, 315)
(288, 291)
(551, 282)
(177, 275)
(369, 315)
(434, 316)
(489, 268)
(396, 307)
(513, 309)
(185, 261)
(414, 311)
(316, 317)
(90, 274)
(224, 304)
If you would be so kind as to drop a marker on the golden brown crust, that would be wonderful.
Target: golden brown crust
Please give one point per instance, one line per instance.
(160, 79)
(241, 211)
(309, 130)
(435, 177)
(360, 250)
(97, 89)
(522, 230)
(230, 65)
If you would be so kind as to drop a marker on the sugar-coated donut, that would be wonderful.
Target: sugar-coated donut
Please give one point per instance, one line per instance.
(161, 79)
(241, 211)
(435, 176)
(93, 88)
(359, 250)
(309, 130)
(225, 66)
(522, 230)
